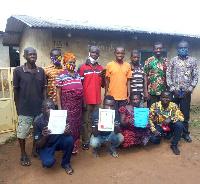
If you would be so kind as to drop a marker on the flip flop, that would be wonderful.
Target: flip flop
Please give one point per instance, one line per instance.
(36, 156)
(69, 170)
(25, 161)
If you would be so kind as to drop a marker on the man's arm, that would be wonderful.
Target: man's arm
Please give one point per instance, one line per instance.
(45, 132)
(107, 85)
(145, 88)
(128, 89)
(58, 97)
(16, 91)
(44, 91)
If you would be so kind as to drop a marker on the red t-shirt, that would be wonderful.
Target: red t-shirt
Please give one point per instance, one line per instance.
(91, 82)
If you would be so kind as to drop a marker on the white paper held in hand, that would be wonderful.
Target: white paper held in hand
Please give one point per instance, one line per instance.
(57, 121)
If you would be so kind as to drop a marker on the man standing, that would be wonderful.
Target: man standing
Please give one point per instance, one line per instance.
(118, 75)
(98, 137)
(51, 72)
(138, 81)
(155, 71)
(29, 91)
(182, 78)
(93, 79)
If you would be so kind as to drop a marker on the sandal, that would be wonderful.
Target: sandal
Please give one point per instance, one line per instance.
(25, 161)
(85, 146)
(69, 170)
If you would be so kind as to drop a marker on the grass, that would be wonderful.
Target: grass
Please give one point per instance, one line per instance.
(11, 139)
(195, 122)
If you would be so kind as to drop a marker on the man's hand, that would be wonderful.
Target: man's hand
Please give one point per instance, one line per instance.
(166, 121)
(156, 133)
(146, 96)
(46, 132)
(176, 94)
(67, 129)
(84, 105)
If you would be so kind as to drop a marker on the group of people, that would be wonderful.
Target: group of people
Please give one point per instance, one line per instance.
(127, 86)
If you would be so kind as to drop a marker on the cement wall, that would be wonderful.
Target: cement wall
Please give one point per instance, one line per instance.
(4, 54)
(78, 42)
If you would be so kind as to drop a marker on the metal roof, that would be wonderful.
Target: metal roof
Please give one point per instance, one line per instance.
(16, 23)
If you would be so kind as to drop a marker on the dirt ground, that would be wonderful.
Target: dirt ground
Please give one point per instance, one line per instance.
(154, 164)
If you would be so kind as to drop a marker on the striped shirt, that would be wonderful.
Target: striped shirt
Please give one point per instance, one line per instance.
(68, 82)
(91, 82)
(51, 72)
(137, 81)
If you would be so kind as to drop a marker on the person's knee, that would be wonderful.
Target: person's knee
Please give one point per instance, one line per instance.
(94, 142)
(48, 162)
(179, 125)
(117, 138)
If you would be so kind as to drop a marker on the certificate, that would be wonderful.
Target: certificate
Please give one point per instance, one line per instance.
(106, 120)
(141, 116)
(57, 121)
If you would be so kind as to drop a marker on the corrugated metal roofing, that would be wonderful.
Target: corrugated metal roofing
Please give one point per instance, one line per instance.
(15, 25)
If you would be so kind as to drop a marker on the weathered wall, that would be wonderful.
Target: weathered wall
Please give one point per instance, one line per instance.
(40, 39)
(4, 54)
(78, 42)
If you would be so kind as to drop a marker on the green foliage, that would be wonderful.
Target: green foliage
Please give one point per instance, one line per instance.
(11, 139)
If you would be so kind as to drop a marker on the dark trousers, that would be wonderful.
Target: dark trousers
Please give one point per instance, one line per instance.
(177, 128)
(184, 105)
(153, 99)
(65, 143)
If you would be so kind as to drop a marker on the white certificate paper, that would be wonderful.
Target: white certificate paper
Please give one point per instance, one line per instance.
(57, 121)
(106, 120)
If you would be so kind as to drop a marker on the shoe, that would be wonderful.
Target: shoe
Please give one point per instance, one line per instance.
(85, 146)
(175, 150)
(113, 152)
(187, 138)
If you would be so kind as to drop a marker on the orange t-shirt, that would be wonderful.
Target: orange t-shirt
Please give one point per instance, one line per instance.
(118, 75)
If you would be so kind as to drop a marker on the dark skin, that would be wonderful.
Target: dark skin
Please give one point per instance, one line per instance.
(31, 57)
(119, 54)
(46, 132)
(108, 104)
(182, 46)
(58, 90)
(55, 54)
(165, 100)
(135, 58)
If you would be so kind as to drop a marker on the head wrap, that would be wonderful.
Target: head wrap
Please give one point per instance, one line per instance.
(67, 57)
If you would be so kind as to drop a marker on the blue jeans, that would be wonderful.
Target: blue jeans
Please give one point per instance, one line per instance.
(177, 128)
(65, 143)
(114, 139)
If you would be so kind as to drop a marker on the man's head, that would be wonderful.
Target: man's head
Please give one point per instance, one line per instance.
(135, 57)
(119, 53)
(30, 55)
(157, 49)
(165, 98)
(109, 102)
(94, 53)
(47, 105)
(55, 56)
(135, 98)
(183, 48)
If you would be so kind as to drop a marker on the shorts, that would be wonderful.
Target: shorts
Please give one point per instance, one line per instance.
(24, 125)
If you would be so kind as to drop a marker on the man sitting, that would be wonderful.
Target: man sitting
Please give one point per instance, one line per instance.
(49, 143)
(166, 116)
(98, 137)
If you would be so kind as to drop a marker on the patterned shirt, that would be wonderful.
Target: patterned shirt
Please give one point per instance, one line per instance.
(158, 114)
(51, 72)
(137, 79)
(155, 69)
(67, 82)
(182, 74)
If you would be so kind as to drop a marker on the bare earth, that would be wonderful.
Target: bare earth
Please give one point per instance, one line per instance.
(154, 164)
